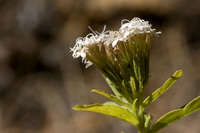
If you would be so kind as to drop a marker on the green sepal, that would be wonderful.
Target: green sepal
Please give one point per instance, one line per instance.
(174, 115)
(113, 88)
(156, 94)
(133, 87)
(125, 92)
(111, 110)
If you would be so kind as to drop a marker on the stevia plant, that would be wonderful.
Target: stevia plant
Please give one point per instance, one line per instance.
(123, 59)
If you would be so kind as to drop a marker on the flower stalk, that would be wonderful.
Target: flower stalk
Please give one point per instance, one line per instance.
(123, 59)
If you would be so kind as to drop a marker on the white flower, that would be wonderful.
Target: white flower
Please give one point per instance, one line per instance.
(80, 47)
(134, 27)
(127, 30)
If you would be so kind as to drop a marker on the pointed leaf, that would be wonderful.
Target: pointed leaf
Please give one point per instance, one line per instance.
(111, 110)
(167, 119)
(156, 94)
(174, 115)
(192, 106)
(112, 86)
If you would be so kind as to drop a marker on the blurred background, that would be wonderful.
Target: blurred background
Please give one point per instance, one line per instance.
(40, 82)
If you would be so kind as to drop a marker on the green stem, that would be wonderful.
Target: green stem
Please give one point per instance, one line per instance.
(141, 114)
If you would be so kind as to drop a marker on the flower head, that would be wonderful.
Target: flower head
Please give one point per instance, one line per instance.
(120, 55)
(136, 26)
(128, 28)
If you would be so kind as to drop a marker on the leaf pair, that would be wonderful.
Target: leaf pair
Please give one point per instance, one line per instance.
(120, 108)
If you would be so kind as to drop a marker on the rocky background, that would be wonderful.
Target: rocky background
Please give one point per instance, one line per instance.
(40, 82)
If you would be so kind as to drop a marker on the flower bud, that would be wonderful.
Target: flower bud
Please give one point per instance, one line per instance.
(120, 55)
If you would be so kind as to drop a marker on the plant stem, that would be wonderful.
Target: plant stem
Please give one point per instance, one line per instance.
(141, 115)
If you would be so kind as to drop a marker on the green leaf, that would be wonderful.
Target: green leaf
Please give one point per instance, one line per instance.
(156, 94)
(112, 86)
(174, 115)
(167, 119)
(109, 96)
(192, 106)
(111, 110)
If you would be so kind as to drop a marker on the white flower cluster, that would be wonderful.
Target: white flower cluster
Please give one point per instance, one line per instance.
(127, 29)
(136, 26)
